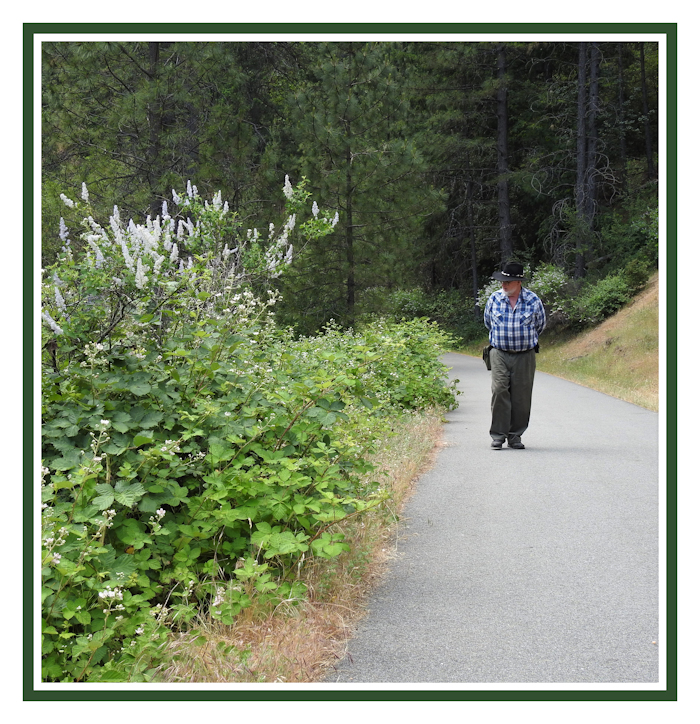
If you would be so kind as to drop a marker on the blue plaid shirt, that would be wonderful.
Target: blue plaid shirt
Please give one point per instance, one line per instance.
(514, 330)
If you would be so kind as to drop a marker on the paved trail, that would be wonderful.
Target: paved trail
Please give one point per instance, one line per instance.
(535, 565)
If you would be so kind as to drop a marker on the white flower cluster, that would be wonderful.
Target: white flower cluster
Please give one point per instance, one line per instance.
(143, 247)
(63, 235)
(160, 250)
(111, 594)
(281, 251)
(315, 211)
(170, 447)
(63, 231)
(52, 542)
(158, 611)
(60, 301)
(549, 283)
(188, 590)
(154, 520)
(219, 598)
(94, 356)
(102, 524)
(141, 278)
(217, 203)
(51, 322)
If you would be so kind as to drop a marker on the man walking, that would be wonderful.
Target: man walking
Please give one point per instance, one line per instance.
(515, 317)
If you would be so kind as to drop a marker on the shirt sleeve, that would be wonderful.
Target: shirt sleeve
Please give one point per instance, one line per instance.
(487, 313)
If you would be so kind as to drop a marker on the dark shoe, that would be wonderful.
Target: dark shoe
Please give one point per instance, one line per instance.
(497, 444)
(516, 445)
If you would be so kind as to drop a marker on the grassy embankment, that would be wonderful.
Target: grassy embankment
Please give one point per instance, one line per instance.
(619, 357)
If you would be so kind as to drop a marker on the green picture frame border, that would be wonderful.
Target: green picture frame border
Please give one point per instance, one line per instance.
(171, 693)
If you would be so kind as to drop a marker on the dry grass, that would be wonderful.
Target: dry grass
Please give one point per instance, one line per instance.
(300, 643)
(619, 357)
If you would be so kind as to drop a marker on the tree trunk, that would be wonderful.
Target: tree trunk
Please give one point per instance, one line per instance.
(504, 225)
(592, 135)
(580, 190)
(155, 123)
(349, 249)
(651, 170)
(586, 151)
(472, 244)
(621, 118)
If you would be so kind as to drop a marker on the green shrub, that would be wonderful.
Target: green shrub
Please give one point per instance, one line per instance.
(632, 232)
(452, 309)
(636, 274)
(551, 285)
(443, 306)
(597, 301)
(193, 454)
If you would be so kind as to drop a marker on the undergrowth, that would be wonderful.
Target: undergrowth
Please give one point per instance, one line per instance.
(196, 458)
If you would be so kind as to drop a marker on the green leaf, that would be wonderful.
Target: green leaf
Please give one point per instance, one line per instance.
(144, 437)
(72, 607)
(83, 617)
(221, 453)
(179, 494)
(131, 532)
(128, 494)
(151, 419)
(122, 566)
(105, 496)
(139, 388)
(65, 463)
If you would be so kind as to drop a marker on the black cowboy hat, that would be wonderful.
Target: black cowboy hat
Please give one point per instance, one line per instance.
(512, 272)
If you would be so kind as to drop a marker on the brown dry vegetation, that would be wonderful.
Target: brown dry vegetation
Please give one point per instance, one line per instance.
(619, 357)
(299, 642)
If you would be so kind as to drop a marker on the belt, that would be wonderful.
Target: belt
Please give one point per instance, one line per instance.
(522, 351)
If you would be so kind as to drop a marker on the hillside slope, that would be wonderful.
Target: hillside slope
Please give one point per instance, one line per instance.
(619, 357)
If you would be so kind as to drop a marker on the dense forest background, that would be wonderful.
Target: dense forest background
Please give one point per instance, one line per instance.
(442, 159)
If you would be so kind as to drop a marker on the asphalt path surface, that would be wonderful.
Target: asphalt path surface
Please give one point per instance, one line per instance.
(535, 566)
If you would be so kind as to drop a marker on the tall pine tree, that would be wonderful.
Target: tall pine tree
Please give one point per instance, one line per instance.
(353, 140)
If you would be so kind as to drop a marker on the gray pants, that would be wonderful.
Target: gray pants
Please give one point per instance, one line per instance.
(512, 377)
